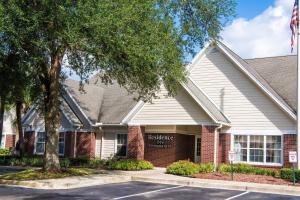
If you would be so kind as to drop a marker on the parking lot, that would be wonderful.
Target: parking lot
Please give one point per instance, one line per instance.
(135, 190)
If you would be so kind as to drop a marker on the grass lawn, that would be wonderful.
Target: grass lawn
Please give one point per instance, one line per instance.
(32, 174)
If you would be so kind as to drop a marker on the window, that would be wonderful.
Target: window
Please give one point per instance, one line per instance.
(198, 147)
(121, 145)
(40, 143)
(240, 147)
(273, 149)
(258, 149)
(61, 144)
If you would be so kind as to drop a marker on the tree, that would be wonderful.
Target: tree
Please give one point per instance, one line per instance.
(141, 44)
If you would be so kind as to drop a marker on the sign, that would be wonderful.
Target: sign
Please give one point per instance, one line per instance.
(292, 156)
(231, 156)
(160, 140)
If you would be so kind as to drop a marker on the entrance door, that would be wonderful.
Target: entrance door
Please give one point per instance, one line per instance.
(197, 148)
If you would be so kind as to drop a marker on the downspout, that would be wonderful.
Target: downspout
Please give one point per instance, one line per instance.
(215, 146)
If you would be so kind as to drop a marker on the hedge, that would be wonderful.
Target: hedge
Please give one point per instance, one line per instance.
(4, 152)
(248, 169)
(129, 165)
(287, 173)
(187, 168)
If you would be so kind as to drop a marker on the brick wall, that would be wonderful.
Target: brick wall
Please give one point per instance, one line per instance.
(135, 142)
(289, 144)
(207, 144)
(162, 152)
(224, 147)
(10, 141)
(29, 140)
(86, 142)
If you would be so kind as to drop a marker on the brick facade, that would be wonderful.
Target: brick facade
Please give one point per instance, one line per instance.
(10, 141)
(168, 148)
(135, 142)
(86, 144)
(207, 144)
(224, 147)
(29, 140)
(289, 144)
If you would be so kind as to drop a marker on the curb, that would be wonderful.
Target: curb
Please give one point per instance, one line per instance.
(69, 182)
(228, 185)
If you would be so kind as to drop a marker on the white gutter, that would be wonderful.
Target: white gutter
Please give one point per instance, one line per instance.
(101, 124)
(215, 146)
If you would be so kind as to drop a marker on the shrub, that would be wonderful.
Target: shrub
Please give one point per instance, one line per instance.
(287, 173)
(247, 169)
(206, 168)
(129, 165)
(183, 168)
(4, 152)
(79, 161)
(96, 163)
(64, 163)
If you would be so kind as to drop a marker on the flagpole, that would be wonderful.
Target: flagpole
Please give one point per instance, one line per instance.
(298, 90)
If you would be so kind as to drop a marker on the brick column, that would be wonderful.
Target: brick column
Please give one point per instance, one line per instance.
(135, 142)
(10, 141)
(69, 144)
(29, 140)
(289, 144)
(207, 144)
(86, 142)
(224, 147)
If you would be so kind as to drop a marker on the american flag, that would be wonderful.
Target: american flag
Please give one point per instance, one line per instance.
(294, 24)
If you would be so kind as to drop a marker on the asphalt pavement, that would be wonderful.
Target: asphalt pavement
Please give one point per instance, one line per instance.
(134, 191)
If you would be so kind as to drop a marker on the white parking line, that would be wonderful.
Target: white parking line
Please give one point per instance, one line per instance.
(153, 191)
(233, 197)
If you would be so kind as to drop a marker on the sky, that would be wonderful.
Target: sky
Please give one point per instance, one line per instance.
(260, 28)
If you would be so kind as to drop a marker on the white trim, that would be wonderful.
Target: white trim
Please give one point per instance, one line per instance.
(133, 112)
(75, 102)
(227, 118)
(4, 141)
(35, 141)
(169, 122)
(64, 144)
(286, 108)
(260, 132)
(264, 163)
(201, 105)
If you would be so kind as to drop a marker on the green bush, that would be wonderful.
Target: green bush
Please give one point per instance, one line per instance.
(79, 161)
(64, 163)
(183, 168)
(4, 152)
(247, 169)
(96, 163)
(206, 168)
(129, 165)
(287, 173)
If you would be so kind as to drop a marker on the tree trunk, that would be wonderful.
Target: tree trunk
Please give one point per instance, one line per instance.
(19, 126)
(52, 115)
(2, 104)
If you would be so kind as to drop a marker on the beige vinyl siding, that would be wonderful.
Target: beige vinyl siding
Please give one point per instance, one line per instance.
(180, 109)
(108, 145)
(98, 144)
(246, 106)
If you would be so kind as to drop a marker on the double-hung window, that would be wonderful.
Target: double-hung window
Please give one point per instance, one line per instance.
(40, 143)
(61, 143)
(260, 149)
(121, 145)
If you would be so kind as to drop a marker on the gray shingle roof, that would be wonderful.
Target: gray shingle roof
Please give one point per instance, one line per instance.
(281, 74)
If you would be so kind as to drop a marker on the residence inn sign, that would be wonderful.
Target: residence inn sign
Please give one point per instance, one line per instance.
(160, 140)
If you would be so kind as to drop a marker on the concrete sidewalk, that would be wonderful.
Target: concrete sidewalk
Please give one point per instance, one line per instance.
(156, 175)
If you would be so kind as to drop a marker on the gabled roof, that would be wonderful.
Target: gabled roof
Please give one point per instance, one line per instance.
(205, 102)
(257, 79)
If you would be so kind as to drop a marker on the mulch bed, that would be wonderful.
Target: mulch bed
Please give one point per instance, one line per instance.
(245, 178)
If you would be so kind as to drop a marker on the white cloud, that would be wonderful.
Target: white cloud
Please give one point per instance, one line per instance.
(268, 34)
